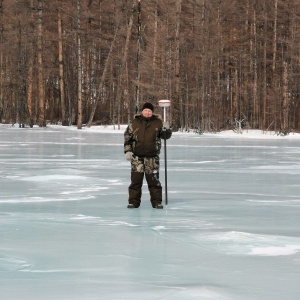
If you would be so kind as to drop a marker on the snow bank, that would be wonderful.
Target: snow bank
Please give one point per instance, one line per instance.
(251, 134)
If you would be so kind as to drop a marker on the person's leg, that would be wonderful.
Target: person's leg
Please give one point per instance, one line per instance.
(135, 188)
(152, 177)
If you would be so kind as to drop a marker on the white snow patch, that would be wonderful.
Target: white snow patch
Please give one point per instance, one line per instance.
(158, 228)
(84, 217)
(84, 190)
(57, 178)
(275, 251)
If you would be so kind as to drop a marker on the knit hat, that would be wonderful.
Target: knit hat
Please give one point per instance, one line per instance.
(148, 105)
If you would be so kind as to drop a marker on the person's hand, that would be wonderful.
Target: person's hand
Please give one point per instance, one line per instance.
(166, 125)
(128, 155)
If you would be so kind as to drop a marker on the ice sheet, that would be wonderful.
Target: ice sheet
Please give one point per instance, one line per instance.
(231, 229)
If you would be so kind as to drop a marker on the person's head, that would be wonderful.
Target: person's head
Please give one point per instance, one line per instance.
(147, 110)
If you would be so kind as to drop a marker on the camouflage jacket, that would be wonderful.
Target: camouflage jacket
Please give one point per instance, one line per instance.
(143, 136)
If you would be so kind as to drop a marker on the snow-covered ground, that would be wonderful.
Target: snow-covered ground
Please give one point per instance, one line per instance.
(231, 229)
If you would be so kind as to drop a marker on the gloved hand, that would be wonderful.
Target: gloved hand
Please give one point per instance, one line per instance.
(128, 155)
(166, 125)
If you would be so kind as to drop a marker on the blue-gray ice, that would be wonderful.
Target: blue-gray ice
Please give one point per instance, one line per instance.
(231, 229)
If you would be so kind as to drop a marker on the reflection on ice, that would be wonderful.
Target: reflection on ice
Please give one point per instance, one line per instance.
(11, 264)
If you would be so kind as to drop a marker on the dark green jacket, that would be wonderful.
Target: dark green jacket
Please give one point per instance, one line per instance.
(143, 136)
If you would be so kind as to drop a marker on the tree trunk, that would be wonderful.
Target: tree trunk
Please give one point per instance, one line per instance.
(61, 70)
(1, 88)
(275, 35)
(1, 61)
(255, 76)
(79, 70)
(123, 65)
(154, 60)
(138, 58)
(42, 121)
(177, 63)
(30, 89)
(264, 122)
(202, 89)
(285, 110)
(32, 119)
(107, 62)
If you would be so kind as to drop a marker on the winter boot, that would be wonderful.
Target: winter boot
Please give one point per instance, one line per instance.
(157, 206)
(130, 205)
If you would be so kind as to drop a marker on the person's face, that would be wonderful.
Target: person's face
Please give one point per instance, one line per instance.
(147, 113)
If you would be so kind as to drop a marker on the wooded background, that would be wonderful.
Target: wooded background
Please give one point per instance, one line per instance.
(222, 63)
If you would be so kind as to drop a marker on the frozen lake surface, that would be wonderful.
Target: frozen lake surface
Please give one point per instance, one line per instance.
(231, 229)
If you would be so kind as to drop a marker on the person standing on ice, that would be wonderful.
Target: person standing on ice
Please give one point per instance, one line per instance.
(142, 144)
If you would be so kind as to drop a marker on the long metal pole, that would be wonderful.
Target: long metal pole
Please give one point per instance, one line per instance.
(165, 103)
(166, 179)
(165, 149)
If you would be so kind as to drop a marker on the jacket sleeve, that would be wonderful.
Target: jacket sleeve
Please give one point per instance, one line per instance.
(128, 139)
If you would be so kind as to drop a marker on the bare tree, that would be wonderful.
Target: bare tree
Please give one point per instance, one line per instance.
(1, 60)
(103, 77)
(80, 62)
(61, 68)
(42, 120)
(79, 69)
(123, 64)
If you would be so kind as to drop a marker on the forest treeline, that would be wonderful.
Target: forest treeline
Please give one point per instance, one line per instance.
(223, 63)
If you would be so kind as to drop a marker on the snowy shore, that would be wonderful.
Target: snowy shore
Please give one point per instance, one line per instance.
(247, 133)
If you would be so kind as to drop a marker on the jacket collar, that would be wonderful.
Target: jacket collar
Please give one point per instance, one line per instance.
(153, 117)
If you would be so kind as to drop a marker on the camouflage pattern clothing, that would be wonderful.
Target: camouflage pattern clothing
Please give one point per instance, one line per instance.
(143, 138)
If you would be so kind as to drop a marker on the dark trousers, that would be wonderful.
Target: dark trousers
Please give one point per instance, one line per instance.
(148, 167)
